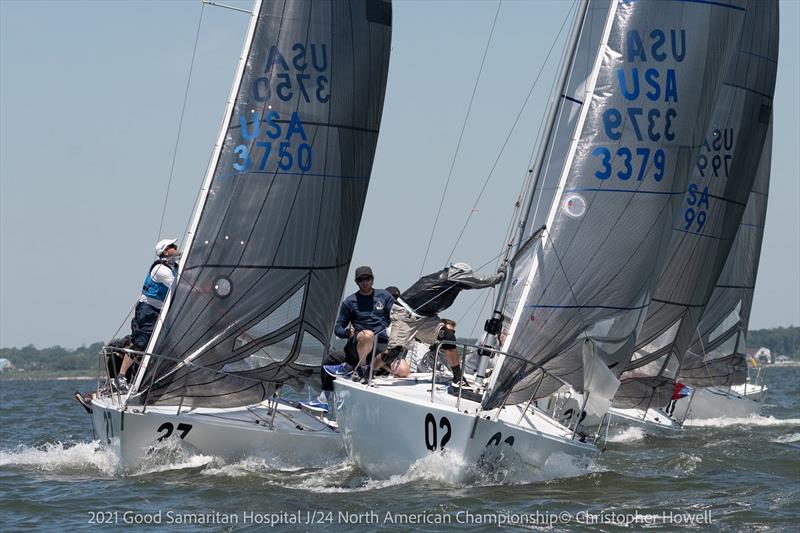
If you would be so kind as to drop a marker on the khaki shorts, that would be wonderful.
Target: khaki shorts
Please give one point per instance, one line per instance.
(405, 328)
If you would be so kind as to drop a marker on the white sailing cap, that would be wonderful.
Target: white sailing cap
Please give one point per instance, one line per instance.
(461, 266)
(163, 244)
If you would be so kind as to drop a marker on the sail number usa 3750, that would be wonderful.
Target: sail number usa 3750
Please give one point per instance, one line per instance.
(272, 144)
(273, 141)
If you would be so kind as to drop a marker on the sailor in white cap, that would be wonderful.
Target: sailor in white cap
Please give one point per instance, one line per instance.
(157, 284)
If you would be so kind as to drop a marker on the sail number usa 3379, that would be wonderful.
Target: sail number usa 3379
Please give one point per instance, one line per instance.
(650, 90)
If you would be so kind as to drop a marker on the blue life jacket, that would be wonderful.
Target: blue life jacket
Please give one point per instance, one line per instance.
(153, 289)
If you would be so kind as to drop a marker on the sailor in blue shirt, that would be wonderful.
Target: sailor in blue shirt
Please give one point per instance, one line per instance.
(157, 284)
(363, 320)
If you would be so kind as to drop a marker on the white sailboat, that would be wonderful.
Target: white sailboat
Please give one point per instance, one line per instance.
(703, 239)
(707, 403)
(582, 270)
(716, 365)
(270, 243)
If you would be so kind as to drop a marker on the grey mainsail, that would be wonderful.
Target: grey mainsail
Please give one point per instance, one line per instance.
(274, 231)
(708, 216)
(646, 106)
(716, 355)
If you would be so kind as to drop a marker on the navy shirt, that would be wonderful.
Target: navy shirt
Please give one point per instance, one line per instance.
(365, 312)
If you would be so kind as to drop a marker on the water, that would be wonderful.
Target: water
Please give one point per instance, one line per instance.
(739, 475)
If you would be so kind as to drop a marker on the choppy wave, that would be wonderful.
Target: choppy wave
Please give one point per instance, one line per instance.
(95, 457)
(58, 457)
(755, 420)
(629, 434)
(787, 439)
(171, 454)
(682, 464)
(248, 467)
(498, 468)
(443, 468)
(449, 469)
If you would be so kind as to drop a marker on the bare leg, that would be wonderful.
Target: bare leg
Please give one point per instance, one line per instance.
(127, 361)
(452, 359)
(400, 368)
(452, 356)
(364, 345)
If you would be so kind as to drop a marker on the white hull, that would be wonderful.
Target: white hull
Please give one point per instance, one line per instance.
(717, 402)
(391, 425)
(652, 422)
(227, 433)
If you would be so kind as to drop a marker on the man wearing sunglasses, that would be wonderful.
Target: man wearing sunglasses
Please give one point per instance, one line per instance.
(363, 320)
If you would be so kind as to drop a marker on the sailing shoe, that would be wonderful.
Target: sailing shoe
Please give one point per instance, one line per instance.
(342, 369)
(119, 384)
(462, 382)
(360, 375)
(315, 405)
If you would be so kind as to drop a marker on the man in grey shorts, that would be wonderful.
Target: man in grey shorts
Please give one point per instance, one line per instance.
(414, 314)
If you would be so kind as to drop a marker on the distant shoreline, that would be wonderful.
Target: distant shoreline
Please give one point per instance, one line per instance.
(4, 377)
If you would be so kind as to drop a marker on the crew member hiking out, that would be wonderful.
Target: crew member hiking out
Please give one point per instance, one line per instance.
(157, 284)
(414, 315)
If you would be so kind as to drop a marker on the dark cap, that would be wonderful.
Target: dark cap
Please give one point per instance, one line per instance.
(364, 271)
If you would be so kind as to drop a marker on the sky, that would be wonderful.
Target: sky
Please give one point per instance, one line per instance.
(90, 104)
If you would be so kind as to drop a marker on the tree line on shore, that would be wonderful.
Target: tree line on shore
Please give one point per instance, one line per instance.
(781, 341)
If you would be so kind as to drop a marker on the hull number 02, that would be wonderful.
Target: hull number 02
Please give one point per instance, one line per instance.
(432, 441)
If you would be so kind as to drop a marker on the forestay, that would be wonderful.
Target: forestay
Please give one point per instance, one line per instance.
(274, 230)
(643, 112)
(716, 355)
(708, 216)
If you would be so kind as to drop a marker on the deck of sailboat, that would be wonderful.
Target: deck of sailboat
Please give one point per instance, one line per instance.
(417, 388)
